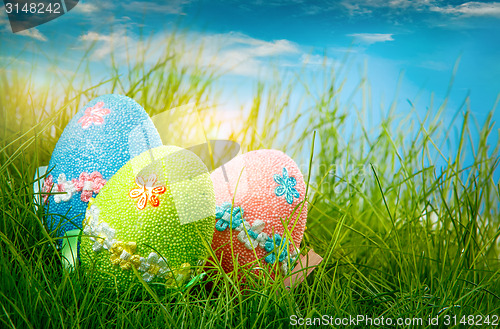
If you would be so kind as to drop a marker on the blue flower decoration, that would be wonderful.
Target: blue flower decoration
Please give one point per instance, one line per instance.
(287, 186)
(273, 246)
(225, 218)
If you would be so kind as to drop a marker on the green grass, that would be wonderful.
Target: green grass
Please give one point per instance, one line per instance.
(406, 229)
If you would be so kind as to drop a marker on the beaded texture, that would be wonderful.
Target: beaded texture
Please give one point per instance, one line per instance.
(94, 115)
(98, 140)
(87, 184)
(119, 235)
(253, 184)
(147, 190)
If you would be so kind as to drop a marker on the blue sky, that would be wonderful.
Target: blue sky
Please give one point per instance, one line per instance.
(420, 39)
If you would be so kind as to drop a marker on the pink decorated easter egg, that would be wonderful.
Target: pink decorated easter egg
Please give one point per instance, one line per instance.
(265, 224)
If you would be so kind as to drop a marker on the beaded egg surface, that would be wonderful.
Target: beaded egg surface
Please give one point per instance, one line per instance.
(268, 191)
(101, 137)
(152, 220)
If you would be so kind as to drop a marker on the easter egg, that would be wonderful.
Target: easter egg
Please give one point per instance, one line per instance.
(97, 141)
(261, 213)
(153, 221)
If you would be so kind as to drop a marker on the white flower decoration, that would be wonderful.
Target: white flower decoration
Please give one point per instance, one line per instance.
(64, 186)
(252, 236)
(153, 266)
(294, 254)
(100, 232)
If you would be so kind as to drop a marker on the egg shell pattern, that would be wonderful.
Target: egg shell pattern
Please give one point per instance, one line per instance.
(250, 180)
(99, 142)
(157, 226)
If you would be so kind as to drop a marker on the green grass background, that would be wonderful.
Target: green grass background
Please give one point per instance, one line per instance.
(406, 229)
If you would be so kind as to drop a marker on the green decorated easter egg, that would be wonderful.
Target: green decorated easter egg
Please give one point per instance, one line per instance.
(152, 221)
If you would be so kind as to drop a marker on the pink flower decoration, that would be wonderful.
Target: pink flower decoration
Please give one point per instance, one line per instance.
(94, 115)
(88, 184)
(60, 188)
(47, 186)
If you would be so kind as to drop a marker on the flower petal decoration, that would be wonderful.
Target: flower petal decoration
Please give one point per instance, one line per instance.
(143, 200)
(94, 115)
(87, 184)
(225, 217)
(289, 198)
(147, 191)
(269, 186)
(280, 190)
(153, 266)
(47, 187)
(159, 189)
(253, 236)
(154, 200)
(278, 249)
(136, 192)
(98, 230)
(286, 187)
(285, 174)
(100, 151)
(278, 179)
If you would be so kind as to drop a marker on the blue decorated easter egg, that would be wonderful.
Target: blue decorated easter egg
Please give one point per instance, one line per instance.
(101, 137)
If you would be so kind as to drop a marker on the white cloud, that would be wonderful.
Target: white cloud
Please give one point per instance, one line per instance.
(471, 9)
(4, 22)
(370, 38)
(116, 41)
(233, 53)
(85, 8)
(404, 4)
(367, 6)
(355, 9)
(240, 54)
(260, 48)
(94, 36)
(317, 60)
(33, 33)
(399, 7)
(100, 7)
